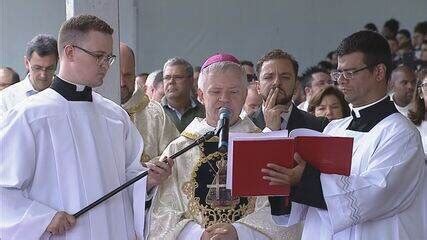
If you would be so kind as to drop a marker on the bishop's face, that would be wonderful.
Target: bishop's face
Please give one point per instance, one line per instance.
(223, 89)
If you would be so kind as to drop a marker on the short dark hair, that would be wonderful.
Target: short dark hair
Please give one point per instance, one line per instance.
(405, 32)
(74, 30)
(43, 45)
(374, 47)
(329, 90)
(326, 66)
(393, 25)
(421, 27)
(307, 76)
(277, 54)
(247, 63)
(15, 75)
(371, 27)
(330, 54)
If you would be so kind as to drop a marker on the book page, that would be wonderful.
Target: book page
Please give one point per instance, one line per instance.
(299, 132)
(260, 136)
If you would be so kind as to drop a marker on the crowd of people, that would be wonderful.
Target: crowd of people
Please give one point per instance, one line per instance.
(64, 145)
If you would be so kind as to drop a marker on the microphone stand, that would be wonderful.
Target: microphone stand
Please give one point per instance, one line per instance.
(196, 142)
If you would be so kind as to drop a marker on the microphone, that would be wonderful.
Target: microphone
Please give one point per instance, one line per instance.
(223, 128)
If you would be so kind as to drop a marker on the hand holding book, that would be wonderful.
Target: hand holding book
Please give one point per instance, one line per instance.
(278, 175)
(249, 153)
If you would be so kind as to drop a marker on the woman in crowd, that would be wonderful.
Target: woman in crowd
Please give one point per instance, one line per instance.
(418, 115)
(330, 103)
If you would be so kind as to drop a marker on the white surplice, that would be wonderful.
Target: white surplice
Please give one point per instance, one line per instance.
(59, 155)
(381, 198)
(15, 94)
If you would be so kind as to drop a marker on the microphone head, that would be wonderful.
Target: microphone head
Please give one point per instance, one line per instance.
(223, 128)
(225, 112)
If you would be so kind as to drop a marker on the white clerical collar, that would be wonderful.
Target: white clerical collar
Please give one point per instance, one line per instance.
(357, 110)
(303, 106)
(79, 88)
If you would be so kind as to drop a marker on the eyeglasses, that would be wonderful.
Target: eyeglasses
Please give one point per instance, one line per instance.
(347, 74)
(48, 70)
(100, 58)
(423, 87)
(251, 77)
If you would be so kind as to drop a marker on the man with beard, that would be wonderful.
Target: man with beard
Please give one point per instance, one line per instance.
(277, 76)
(40, 60)
(402, 85)
(178, 102)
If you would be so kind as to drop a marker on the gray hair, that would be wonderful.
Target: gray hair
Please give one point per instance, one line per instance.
(43, 45)
(221, 67)
(154, 78)
(180, 61)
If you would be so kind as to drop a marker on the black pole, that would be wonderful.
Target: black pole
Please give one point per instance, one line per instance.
(198, 141)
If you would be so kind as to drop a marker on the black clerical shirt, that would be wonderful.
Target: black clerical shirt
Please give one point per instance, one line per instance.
(70, 91)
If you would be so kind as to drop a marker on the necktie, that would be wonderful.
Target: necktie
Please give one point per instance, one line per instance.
(31, 92)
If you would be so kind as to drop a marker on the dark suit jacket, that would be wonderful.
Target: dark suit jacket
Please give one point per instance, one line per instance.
(297, 119)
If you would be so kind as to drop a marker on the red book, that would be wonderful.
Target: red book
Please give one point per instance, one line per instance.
(249, 153)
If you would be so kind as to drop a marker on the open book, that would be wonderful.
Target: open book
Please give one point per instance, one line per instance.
(248, 153)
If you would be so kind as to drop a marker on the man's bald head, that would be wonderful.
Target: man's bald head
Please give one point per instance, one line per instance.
(7, 77)
(127, 72)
